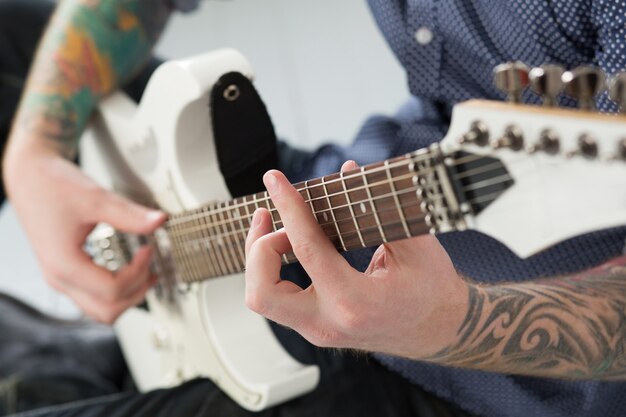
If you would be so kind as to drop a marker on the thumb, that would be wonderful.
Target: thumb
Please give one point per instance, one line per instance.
(128, 216)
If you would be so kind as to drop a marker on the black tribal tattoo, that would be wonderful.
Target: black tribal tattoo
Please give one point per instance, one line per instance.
(573, 327)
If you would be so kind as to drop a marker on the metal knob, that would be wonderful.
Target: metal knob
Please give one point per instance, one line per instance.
(512, 79)
(546, 81)
(621, 150)
(617, 90)
(478, 134)
(513, 139)
(584, 84)
(549, 143)
(588, 146)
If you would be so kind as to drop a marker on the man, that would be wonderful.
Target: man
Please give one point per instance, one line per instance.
(448, 50)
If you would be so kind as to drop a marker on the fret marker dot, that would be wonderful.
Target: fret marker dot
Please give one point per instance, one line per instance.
(325, 216)
(220, 242)
(363, 208)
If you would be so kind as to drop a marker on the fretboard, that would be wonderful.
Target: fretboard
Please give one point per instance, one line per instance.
(362, 208)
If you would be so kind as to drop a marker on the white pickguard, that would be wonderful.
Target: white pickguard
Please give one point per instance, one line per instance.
(163, 152)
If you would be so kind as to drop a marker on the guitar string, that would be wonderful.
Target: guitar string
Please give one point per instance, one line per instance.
(238, 232)
(235, 208)
(407, 160)
(189, 216)
(207, 274)
(231, 209)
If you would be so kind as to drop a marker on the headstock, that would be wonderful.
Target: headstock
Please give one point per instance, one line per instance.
(564, 169)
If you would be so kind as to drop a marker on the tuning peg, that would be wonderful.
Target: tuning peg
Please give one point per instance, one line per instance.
(478, 134)
(546, 81)
(617, 90)
(583, 84)
(512, 79)
(621, 150)
(549, 143)
(513, 139)
(587, 147)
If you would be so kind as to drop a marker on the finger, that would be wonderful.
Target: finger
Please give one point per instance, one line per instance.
(108, 312)
(313, 249)
(126, 215)
(279, 300)
(260, 226)
(348, 166)
(87, 277)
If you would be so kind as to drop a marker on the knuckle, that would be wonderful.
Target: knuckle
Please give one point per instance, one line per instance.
(112, 293)
(349, 316)
(257, 303)
(304, 251)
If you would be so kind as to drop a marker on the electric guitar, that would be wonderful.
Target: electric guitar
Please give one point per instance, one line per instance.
(528, 176)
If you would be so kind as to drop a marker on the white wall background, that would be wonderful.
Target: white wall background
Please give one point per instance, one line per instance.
(321, 67)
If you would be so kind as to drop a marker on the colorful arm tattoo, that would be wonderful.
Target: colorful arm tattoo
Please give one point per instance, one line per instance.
(572, 327)
(89, 49)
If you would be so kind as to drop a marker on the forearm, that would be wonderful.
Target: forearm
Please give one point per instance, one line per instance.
(571, 327)
(88, 50)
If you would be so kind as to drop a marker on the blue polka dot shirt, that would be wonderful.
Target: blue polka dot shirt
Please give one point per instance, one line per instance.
(449, 49)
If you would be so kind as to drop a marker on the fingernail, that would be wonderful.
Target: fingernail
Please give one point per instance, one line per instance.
(153, 215)
(271, 182)
(256, 218)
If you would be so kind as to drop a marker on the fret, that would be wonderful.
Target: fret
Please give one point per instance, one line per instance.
(234, 256)
(187, 235)
(200, 258)
(238, 207)
(321, 209)
(213, 259)
(177, 245)
(275, 220)
(352, 214)
(214, 263)
(409, 200)
(332, 214)
(255, 201)
(227, 266)
(383, 198)
(371, 202)
(396, 200)
(365, 214)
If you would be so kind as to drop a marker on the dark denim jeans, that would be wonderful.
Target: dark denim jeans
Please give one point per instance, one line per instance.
(50, 367)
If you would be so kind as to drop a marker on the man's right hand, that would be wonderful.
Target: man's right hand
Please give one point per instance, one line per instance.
(58, 206)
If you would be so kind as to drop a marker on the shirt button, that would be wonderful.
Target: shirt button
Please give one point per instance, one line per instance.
(424, 36)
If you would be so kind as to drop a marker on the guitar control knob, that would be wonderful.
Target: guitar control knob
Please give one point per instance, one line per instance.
(512, 79)
(513, 139)
(478, 134)
(584, 84)
(617, 90)
(549, 143)
(588, 146)
(547, 82)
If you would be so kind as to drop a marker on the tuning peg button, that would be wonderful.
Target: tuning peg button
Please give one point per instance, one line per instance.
(588, 146)
(546, 81)
(512, 79)
(478, 134)
(584, 84)
(513, 139)
(621, 150)
(549, 142)
(617, 90)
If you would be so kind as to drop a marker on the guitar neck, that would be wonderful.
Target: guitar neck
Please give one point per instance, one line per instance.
(387, 201)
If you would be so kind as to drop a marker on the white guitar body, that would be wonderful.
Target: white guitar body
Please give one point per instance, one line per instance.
(162, 152)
